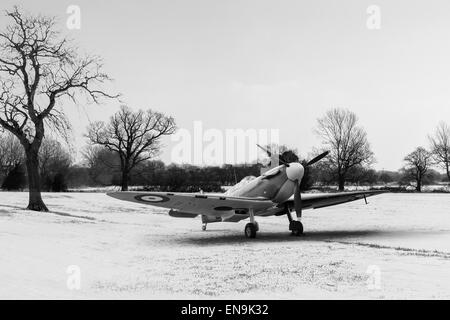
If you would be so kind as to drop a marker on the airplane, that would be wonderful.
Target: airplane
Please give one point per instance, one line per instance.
(275, 192)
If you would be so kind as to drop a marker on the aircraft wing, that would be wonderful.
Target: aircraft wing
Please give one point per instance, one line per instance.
(321, 200)
(192, 204)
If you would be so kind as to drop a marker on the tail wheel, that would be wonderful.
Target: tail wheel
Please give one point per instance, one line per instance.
(250, 230)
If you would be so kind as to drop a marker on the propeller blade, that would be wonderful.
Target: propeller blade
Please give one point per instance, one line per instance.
(319, 157)
(298, 200)
(266, 150)
(280, 160)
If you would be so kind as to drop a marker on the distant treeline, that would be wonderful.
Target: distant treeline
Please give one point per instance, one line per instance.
(101, 168)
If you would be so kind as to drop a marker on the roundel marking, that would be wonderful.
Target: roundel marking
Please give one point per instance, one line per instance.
(153, 198)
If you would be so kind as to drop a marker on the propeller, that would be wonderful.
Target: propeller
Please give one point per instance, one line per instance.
(317, 158)
(298, 200)
(297, 194)
(295, 172)
(270, 155)
(265, 150)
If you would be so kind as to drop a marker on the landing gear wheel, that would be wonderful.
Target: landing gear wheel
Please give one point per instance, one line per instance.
(296, 227)
(250, 230)
(204, 227)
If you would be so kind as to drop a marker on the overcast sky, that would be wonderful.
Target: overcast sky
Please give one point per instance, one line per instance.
(272, 64)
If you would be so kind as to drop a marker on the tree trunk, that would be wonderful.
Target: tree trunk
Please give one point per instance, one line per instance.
(35, 202)
(125, 180)
(419, 185)
(448, 171)
(341, 181)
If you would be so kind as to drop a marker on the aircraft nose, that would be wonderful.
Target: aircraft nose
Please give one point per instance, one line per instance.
(295, 171)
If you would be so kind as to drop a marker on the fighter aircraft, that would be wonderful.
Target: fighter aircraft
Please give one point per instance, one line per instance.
(275, 192)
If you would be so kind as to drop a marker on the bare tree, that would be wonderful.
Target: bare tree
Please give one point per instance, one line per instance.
(346, 141)
(53, 160)
(417, 164)
(11, 153)
(38, 68)
(134, 136)
(102, 163)
(440, 147)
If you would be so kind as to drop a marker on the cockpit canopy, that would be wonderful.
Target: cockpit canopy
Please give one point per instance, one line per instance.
(241, 183)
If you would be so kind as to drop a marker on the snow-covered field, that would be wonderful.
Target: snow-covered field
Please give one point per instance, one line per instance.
(398, 246)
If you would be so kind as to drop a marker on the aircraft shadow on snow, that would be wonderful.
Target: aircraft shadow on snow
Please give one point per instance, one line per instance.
(209, 238)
